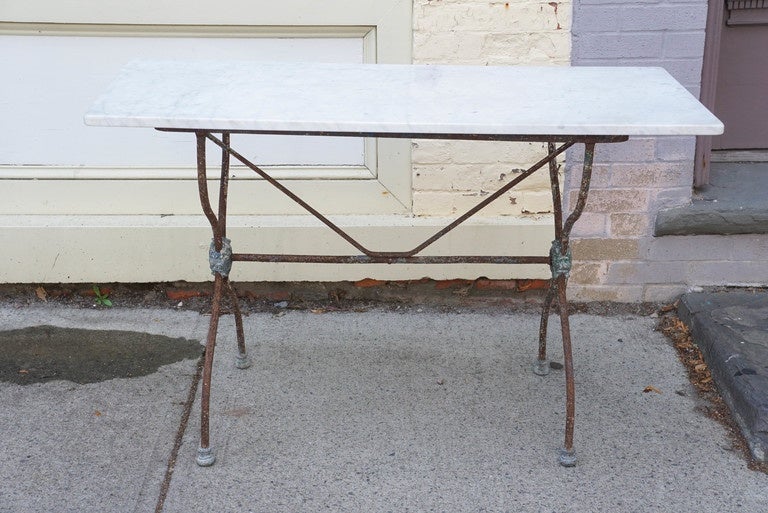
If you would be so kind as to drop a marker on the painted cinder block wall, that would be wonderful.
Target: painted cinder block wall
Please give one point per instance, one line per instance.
(617, 257)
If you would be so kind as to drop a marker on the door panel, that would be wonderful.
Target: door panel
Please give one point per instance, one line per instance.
(48, 119)
(742, 84)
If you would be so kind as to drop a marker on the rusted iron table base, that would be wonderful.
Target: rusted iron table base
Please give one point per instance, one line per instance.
(559, 259)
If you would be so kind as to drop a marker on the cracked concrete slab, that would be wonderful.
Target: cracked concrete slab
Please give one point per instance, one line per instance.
(374, 411)
(96, 446)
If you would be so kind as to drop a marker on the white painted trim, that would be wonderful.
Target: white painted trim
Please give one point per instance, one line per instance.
(200, 31)
(182, 173)
(52, 249)
(180, 197)
(393, 35)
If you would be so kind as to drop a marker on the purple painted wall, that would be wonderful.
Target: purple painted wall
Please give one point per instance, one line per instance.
(741, 99)
(666, 33)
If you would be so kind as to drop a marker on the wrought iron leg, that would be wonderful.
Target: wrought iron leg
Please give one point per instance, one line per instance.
(242, 361)
(560, 264)
(220, 260)
(567, 454)
(541, 365)
(205, 456)
(560, 257)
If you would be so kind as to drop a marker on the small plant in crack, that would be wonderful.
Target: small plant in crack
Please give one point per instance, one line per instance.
(102, 299)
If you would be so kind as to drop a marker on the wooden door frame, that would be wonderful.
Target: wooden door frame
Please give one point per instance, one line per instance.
(710, 65)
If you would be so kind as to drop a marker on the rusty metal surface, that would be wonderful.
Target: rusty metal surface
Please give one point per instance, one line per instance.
(238, 322)
(416, 135)
(559, 259)
(365, 259)
(220, 262)
(586, 177)
(205, 201)
(210, 347)
(385, 254)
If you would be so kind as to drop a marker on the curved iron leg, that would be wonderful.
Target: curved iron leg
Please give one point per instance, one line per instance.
(205, 456)
(242, 361)
(541, 365)
(567, 454)
(560, 257)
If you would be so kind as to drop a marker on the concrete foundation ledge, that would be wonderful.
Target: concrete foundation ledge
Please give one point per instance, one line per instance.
(703, 218)
(732, 203)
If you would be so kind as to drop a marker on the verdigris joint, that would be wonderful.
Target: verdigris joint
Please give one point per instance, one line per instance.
(560, 263)
(221, 261)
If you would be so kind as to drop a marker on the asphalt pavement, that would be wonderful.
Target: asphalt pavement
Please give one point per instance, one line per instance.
(381, 410)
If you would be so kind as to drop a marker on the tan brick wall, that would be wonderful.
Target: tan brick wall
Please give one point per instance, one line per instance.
(449, 177)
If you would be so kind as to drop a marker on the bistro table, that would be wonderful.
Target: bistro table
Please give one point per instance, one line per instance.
(557, 106)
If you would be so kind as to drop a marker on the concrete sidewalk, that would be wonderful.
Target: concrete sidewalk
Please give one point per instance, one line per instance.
(374, 411)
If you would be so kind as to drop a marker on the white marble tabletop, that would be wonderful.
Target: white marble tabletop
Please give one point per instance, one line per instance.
(386, 99)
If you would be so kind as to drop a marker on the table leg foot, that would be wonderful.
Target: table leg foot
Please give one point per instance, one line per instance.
(567, 458)
(541, 367)
(205, 456)
(242, 361)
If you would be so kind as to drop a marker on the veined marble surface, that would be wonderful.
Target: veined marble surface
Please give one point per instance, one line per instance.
(382, 98)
